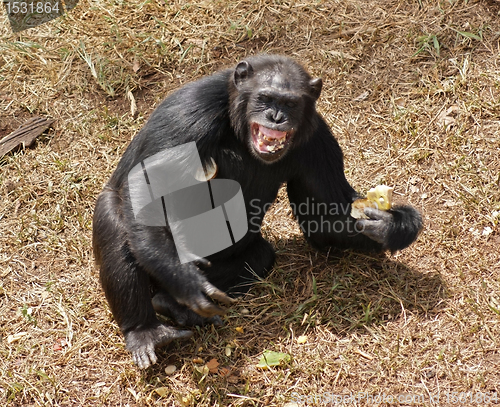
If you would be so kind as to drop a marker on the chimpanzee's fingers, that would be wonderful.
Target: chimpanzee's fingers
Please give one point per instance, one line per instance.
(216, 294)
(168, 334)
(216, 321)
(202, 262)
(375, 229)
(144, 356)
(204, 307)
(377, 214)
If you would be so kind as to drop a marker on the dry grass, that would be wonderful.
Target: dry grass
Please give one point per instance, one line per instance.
(412, 92)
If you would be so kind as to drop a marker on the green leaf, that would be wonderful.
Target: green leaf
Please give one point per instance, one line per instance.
(270, 358)
(437, 47)
(470, 35)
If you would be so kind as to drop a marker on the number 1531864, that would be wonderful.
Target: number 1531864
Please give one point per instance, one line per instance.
(24, 7)
(26, 14)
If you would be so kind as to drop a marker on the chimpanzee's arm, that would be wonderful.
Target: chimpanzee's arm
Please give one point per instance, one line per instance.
(321, 199)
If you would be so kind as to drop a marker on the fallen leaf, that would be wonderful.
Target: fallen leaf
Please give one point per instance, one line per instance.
(133, 105)
(60, 344)
(445, 119)
(239, 329)
(223, 371)
(202, 369)
(16, 337)
(343, 55)
(364, 354)
(162, 391)
(362, 97)
(270, 358)
(134, 393)
(136, 65)
(399, 102)
(212, 365)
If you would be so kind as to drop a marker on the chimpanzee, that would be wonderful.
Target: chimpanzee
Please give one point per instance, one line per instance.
(258, 123)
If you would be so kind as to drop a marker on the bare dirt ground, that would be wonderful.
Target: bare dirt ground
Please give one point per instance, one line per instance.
(412, 93)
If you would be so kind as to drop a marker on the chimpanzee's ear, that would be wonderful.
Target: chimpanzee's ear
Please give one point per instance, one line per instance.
(242, 72)
(316, 85)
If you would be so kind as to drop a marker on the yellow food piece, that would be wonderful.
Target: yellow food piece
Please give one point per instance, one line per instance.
(382, 196)
(379, 197)
(302, 339)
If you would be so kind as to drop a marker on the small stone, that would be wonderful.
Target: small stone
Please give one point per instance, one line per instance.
(170, 369)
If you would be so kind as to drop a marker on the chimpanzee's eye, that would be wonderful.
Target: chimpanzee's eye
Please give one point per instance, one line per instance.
(265, 98)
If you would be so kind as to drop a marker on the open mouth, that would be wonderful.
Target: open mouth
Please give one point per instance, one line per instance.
(268, 141)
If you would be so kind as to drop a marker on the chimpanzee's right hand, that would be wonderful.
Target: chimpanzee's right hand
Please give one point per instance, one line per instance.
(195, 292)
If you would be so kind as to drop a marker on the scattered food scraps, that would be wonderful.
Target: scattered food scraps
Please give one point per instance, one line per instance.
(302, 339)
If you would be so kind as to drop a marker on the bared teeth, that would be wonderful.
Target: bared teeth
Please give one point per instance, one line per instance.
(270, 139)
(268, 144)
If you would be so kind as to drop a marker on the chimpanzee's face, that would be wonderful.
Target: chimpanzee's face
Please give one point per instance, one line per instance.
(275, 110)
(279, 99)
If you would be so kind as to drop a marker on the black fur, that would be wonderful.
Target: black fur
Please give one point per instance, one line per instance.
(217, 112)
